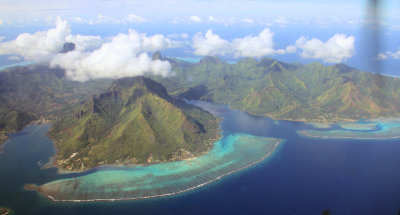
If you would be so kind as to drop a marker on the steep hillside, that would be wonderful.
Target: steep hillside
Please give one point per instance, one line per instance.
(288, 91)
(38, 93)
(135, 121)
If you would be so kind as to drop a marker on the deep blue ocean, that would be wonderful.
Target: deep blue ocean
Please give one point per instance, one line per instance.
(304, 176)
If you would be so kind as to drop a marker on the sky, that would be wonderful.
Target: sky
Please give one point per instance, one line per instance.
(115, 38)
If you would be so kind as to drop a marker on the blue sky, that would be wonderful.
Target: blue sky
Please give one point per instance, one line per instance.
(295, 31)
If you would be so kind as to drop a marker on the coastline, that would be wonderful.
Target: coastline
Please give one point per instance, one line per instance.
(52, 163)
(353, 138)
(276, 144)
(6, 135)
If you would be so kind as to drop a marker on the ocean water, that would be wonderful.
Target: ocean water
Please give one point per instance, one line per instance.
(23, 63)
(304, 176)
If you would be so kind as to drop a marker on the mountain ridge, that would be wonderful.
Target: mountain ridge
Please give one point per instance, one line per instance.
(134, 122)
(289, 91)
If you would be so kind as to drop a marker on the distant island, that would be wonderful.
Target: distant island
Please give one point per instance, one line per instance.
(142, 120)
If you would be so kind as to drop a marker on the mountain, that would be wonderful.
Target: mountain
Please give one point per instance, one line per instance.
(134, 122)
(38, 93)
(267, 87)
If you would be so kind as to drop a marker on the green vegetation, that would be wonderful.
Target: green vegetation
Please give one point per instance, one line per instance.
(38, 94)
(268, 87)
(135, 121)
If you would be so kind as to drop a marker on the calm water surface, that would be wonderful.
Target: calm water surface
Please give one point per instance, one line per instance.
(304, 176)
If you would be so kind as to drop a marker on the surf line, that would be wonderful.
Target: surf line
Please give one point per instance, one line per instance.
(165, 194)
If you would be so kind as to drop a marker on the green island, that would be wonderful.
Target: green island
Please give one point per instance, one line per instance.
(375, 129)
(143, 120)
(134, 122)
(229, 155)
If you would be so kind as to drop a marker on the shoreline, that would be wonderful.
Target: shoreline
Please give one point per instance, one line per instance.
(37, 188)
(353, 138)
(52, 163)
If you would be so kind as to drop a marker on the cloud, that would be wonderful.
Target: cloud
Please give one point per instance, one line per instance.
(102, 19)
(382, 56)
(2, 38)
(132, 18)
(14, 58)
(40, 46)
(178, 36)
(1, 22)
(291, 49)
(336, 50)
(394, 55)
(249, 46)
(281, 20)
(125, 55)
(248, 21)
(195, 19)
(122, 55)
(210, 44)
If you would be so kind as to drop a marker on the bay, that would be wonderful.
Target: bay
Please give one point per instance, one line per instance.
(304, 176)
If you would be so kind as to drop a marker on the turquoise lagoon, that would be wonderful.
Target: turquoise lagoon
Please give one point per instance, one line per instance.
(301, 176)
(371, 129)
(229, 155)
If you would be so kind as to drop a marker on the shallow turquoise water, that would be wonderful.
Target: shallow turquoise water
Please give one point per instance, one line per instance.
(373, 129)
(231, 154)
(24, 63)
(303, 176)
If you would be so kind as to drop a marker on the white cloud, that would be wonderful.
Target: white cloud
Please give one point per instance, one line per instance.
(394, 55)
(213, 19)
(256, 46)
(210, 44)
(248, 21)
(195, 19)
(382, 56)
(102, 19)
(337, 49)
(40, 46)
(2, 38)
(14, 58)
(123, 55)
(1, 22)
(281, 20)
(249, 46)
(178, 36)
(132, 18)
(291, 49)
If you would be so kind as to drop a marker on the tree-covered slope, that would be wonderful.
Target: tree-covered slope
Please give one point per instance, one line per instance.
(38, 93)
(135, 121)
(287, 91)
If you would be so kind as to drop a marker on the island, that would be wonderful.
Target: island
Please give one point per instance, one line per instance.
(231, 154)
(135, 128)
(373, 129)
(134, 122)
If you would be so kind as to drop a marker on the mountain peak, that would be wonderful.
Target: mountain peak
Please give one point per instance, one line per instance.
(158, 56)
(129, 85)
(266, 61)
(67, 47)
(211, 59)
